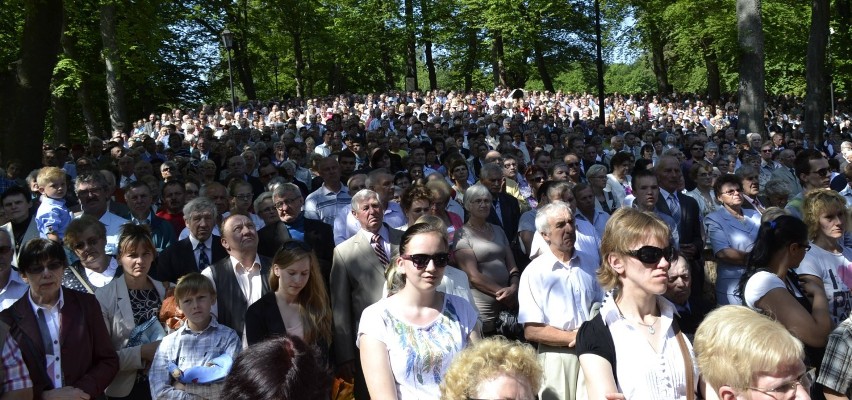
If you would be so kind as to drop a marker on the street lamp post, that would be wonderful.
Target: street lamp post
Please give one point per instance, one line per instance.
(228, 41)
(275, 64)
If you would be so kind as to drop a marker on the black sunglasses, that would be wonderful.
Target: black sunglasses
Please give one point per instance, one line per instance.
(293, 244)
(652, 255)
(421, 261)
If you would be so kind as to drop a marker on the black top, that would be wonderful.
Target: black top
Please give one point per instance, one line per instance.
(263, 321)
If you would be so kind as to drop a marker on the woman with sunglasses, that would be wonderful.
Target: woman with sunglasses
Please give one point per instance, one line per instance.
(535, 175)
(731, 231)
(770, 285)
(408, 340)
(636, 322)
(297, 304)
(94, 268)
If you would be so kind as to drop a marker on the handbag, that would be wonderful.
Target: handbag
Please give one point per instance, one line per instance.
(508, 326)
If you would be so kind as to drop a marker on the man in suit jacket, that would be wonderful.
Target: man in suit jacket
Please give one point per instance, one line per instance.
(506, 211)
(691, 310)
(185, 256)
(85, 363)
(357, 278)
(21, 226)
(288, 200)
(241, 278)
(685, 215)
(786, 172)
(139, 200)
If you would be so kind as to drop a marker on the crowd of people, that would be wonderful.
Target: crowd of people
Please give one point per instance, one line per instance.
(434, 245)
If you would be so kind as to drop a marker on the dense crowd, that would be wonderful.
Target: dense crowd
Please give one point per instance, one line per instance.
(396, 241)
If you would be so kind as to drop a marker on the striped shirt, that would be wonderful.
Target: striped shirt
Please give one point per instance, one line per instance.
(323, 204)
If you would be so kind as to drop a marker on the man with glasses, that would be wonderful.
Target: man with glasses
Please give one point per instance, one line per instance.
(813, 173)
(786, 171)
(91, 190)
(767, 164)
(292, 224)
(12, 287)
(555, 295)
(751, 189)
(575, 171)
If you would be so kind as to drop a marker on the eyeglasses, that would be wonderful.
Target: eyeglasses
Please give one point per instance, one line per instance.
(805, 246)
(537, 179)
(291, 245)
(243, 197)
(823, 172)
(89, 192)
(290, 202)
(788, 388)
(39, 268)
(652, 254)
(573, 164)
(732, 192)
(765, 150)
(91, 242)
(421, 261)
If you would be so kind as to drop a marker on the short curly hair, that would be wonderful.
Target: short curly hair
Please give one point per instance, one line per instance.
(822, 201)
(486, 360)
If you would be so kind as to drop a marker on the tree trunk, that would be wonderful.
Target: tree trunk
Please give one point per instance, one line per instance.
(410, 48)
(658, 57)
(427, 45)
(470, 60)
(541, 65)
(25, 87)
(243, 66)
(752, 87)
(499, 63)
(815, 73)
(61, 130)
(90, 122)
(711, 63)
(386, 60)
(300, 65)
(112, 62)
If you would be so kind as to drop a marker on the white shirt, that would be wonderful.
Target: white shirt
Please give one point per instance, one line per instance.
(558, 294)
(197, 252)
(250, 281)
(185, 234)
(54, 321)
(15, 289)
(113, 225)
(100, 279)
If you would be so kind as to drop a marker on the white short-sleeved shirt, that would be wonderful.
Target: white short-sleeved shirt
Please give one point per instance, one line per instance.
(835, 270)
(419, 355)
(556, 293)
(760, 284)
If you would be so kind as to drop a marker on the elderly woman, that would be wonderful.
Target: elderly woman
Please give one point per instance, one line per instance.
(636, 322)
(61, 332)
(777, 193)
(208, 171)
(828, 261)
(732, 231)
(702, 174)
(415, 202)
(86, 238)
(408, 340)
(770, 286)
(265, 209)
(130, 307)
(458, 176)
(483, 253)
(740, 351)
(604, 199)
(445, 208)
(618, 181)
(493, 368)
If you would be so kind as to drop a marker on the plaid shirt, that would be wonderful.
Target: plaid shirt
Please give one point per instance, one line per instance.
(836, 369)
(6, 183)
(14, 369)
(189, 349)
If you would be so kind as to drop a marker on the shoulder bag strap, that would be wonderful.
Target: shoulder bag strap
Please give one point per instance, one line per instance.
(82, 279)
(687, 361)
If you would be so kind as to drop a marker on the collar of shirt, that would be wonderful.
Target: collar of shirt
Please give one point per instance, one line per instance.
(239, 268)
(610, 313)
(555, 263)
(664, 195)
(299, 223)
(14, 280)
(327, 192)
(383, 232)
(55, 307)
(213, 325)
(52, 201)
(208, 243)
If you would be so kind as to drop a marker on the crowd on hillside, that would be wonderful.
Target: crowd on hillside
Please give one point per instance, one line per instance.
(397, 240)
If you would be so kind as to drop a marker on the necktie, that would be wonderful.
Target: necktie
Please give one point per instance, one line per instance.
(46, 339)
(674, 206)
(379, 248)
(203, 261)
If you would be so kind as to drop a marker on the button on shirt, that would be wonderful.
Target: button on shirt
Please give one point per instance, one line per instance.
(558, 294)
(54, 321)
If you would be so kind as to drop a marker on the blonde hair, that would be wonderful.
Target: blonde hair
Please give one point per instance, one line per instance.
(822, 201)
(626, 228)
(314, 308)
(733, 343)
(47, 175)
(193, 283)
(488, 359)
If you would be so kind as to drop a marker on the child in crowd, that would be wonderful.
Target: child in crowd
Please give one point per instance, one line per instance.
(53, 216)
(193, 361)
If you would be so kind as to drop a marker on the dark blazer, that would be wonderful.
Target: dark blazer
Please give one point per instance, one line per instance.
(119, 209)
(178, 260)
(689, 226)
(89, 362)
(162, 233)
(511, 214)
(231, 302)
(318, 235)
(256, 186)
(263, 321)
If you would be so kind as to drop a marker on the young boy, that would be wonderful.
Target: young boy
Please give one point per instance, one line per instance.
(200, 342)
(53, 215)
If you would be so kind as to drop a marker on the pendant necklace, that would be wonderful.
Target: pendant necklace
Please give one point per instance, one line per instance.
(650, 326)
